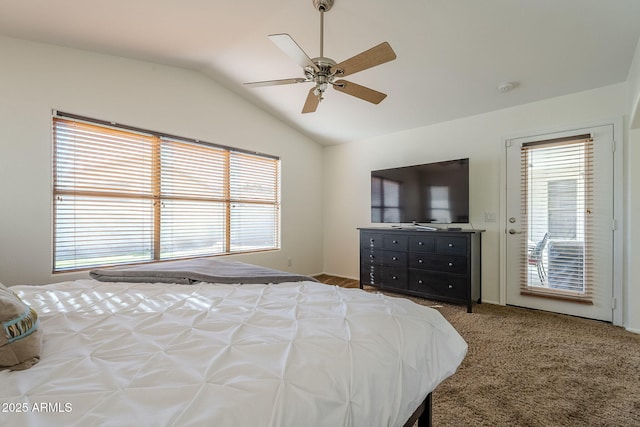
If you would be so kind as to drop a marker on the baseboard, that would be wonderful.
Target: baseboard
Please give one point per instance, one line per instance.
(633, 330)
(336, 275)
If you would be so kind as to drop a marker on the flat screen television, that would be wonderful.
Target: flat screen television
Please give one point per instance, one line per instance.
(428, 193)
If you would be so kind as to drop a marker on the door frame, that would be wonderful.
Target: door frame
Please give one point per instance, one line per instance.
(617, 302)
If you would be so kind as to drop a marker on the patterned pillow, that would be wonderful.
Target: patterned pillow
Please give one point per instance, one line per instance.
(20, 338)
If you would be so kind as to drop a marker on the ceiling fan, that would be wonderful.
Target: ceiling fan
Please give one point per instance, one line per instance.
(324, 72)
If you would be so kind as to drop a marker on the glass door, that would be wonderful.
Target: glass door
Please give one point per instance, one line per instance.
(560, 215)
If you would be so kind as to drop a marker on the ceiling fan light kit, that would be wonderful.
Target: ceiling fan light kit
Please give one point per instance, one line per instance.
(325, 72)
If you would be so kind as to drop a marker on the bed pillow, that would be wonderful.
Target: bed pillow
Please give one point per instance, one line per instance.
(20, 336)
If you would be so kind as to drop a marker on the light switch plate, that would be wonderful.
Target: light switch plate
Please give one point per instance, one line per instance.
(489, 217)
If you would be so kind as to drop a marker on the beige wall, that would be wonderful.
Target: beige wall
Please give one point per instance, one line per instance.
(36, 78)
(481, 139)
(323, 203)
(632, 156)
(632, 246)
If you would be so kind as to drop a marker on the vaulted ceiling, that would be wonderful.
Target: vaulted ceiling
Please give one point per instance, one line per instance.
(451, 54)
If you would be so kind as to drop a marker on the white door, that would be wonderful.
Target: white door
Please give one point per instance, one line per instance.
(559, 224)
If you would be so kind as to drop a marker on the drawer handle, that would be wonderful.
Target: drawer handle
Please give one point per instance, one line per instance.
(372, 275)
(420, 243)
(394, 258)
(394, 277)
(450, 286)
(372, 240)
(450, 264)
(419, 282)
(450, 245)
(395, 242)
(371, 256)
(420, 261)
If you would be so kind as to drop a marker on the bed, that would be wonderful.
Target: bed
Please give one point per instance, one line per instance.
(292, 353)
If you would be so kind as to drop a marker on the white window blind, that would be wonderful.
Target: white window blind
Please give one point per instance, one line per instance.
(254, 191)
(557, 203)
(123, 195)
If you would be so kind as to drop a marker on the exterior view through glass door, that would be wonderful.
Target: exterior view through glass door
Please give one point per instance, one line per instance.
(559, 222)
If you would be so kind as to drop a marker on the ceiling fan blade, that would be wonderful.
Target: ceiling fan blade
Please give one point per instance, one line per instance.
(286, 43)
(311, 104)
(369, 58)
(276, 82)
(358, 91)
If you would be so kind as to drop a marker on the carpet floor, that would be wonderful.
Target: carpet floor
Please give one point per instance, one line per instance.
(533, 368)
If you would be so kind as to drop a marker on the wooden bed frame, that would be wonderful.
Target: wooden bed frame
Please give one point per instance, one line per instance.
(422, 415)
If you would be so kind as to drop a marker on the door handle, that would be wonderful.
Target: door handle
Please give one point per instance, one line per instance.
(512, 231)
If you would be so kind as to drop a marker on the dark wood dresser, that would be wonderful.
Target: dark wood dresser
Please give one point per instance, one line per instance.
(440, 265)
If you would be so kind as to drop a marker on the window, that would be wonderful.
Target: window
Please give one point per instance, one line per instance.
(557, 203)
(563, 205)
(124, 195)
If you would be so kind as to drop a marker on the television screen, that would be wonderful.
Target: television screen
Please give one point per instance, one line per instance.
(429, 193)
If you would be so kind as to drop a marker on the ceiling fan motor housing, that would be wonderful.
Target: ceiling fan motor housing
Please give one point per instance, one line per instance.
(323, 5)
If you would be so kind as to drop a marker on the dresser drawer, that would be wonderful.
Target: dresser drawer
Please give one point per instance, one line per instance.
(451, 245)
(395, 242)
(441, 263)
(395, 278)
(427, 283)
(371, 274)
(371, 240)
(371, 256)
(394, 259)
(422, 243)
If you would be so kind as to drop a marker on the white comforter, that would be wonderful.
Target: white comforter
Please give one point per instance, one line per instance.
(292, 354)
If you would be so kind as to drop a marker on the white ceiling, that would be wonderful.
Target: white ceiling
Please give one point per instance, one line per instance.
(452, 54)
